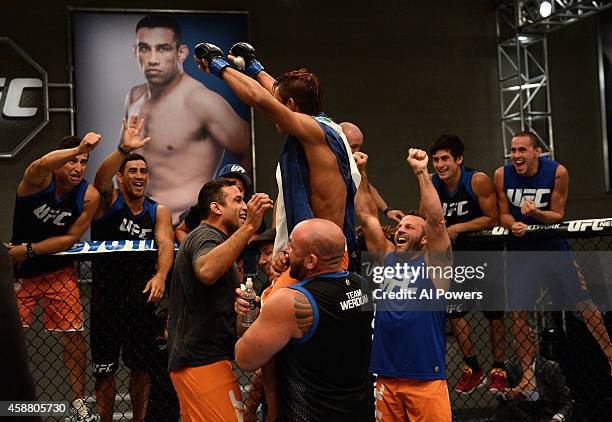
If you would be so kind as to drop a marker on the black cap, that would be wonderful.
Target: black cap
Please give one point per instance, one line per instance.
(267, 236)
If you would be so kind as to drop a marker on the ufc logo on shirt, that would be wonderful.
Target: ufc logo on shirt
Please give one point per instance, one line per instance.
(517, 197)
(459, 208)
(46, 213)
(133, 229)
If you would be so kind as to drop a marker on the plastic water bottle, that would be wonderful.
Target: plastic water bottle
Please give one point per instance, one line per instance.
(249, 296)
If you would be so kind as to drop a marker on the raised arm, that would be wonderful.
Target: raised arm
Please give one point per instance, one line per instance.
(487, 200)
(210, 267)
(438, 241)
(435, 229)
(38, 174)
(109, 167)
(365, 208)
(288, 314)
(252, 93)
(165, 254)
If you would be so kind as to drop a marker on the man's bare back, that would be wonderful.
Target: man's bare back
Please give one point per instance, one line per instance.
(190, 126)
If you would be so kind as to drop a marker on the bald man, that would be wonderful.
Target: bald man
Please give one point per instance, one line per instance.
(317, 330)
(354, 136)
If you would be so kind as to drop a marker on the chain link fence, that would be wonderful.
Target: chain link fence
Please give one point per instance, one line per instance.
(68, 358)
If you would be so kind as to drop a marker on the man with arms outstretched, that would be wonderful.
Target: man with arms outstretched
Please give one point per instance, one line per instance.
(122, 316)
(409, 346)
(53, 209)
(191, 124)
(316, 174)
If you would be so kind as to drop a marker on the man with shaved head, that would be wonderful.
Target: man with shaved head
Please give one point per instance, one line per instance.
(317, 330)
(354, 136)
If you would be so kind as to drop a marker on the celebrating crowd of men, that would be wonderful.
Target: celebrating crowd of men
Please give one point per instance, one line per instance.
(312, 347)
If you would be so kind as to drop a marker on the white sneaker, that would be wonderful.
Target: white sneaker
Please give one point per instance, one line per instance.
(80, 412)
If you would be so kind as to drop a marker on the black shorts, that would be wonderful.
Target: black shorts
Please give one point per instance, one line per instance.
(125, 328)
(531, 273)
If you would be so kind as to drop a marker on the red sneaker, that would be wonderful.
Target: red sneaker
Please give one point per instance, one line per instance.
(470, 381)
(498, 381)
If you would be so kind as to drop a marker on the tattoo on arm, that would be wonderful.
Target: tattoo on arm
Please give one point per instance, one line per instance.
(419, 172)
(304, 315)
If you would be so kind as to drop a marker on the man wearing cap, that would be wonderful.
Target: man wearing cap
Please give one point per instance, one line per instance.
(234, 172)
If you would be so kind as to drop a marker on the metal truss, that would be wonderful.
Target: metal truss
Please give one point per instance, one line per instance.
(522, 59)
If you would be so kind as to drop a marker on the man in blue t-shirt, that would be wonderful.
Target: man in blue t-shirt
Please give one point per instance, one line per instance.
(533, 190)
(408, 351)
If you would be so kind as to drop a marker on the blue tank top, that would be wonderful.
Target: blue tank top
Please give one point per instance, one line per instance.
(461, 205)
(537, 188)
(43, 215)
(408, 344)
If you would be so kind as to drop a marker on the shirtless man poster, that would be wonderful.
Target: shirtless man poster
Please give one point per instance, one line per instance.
(198, 124)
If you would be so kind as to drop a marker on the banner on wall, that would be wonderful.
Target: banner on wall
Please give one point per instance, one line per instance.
(23, 98)
(141, 62)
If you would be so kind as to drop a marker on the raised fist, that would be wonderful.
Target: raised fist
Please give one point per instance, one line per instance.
(361, 159)
(242, 54)
(89, 142)
(417, 159)
(210, 58)
(256, 207)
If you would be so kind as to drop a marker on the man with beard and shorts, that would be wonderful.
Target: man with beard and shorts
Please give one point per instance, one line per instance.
(53, 209)
(409, 344)
(123, 318)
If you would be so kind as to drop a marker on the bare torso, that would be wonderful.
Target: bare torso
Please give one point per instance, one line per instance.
(182, 155)
(327, 188)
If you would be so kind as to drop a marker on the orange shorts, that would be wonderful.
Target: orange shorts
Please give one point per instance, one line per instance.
(61, 299)
(285, 279)
(412, 400)
(208, 393)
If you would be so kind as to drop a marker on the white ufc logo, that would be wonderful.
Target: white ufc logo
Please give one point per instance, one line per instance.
(517, 197)
(46, 213)
(14, 92)
(458, 208)
(133, 229)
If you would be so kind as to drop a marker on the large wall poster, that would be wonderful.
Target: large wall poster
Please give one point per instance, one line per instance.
(141, 62)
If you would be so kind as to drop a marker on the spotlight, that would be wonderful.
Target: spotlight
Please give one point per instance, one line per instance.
(545, 8)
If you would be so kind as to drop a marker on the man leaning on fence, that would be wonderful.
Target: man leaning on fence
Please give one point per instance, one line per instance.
(202, 320)
(53, 208)
(124, 289)
(534, 190)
